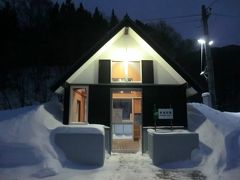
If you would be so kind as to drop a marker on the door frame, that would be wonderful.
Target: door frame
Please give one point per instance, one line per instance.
(111, 105)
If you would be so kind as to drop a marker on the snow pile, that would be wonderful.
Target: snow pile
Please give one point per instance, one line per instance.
(26, 148)
(81, 129)
(25, 138)
(219, 134)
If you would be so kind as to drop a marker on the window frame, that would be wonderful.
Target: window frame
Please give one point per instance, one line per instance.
(71, 108)
(123, 82)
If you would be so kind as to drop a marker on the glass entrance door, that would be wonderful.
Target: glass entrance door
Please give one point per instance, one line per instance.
(126, 120)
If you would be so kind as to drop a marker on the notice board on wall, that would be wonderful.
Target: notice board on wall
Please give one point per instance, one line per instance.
(166, 113)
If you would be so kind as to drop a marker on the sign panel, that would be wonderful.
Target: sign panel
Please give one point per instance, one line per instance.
(165, 113)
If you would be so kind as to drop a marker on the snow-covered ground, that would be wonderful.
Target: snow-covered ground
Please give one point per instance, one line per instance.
(26, 150)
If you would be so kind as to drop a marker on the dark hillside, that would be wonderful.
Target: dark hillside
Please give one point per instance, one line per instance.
(226, 65)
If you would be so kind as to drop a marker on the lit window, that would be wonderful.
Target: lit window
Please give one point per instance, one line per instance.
(78, 109)
(126, 71)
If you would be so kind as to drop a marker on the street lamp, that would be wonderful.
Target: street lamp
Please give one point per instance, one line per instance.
(206, 12)
(210, 43)
(202, 42)
(207, 70)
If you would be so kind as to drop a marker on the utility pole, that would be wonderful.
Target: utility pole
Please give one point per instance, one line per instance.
(209, 61)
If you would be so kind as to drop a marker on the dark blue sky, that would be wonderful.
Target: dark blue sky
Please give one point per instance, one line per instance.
(224, 24)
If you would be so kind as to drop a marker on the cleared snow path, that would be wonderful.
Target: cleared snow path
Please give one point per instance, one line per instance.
(127, 167)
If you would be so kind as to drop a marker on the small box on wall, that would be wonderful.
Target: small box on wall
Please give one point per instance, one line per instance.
(165, 113)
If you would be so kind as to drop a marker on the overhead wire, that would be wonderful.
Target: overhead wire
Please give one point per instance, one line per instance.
(189, 16)
(218, 14)
(172, 17)
(212, 3)
(182, 22)
(225, 15)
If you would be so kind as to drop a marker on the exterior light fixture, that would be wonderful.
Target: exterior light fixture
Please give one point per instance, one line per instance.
(202, 73)
(201, 41)
(210, 43)
(203, 70)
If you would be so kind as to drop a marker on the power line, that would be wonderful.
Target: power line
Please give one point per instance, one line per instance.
(212, 3)
(225, 15)
(173, 17)
(176, 22)
(182, 22)
(169, 19)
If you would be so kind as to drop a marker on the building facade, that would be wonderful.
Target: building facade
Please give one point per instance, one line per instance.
(120, 82)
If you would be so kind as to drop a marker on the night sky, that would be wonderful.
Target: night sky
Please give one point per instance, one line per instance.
(224, 23)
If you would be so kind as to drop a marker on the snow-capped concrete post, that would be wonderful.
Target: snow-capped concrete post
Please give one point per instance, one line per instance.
(82, 144)
(166, 146)
(206, 98)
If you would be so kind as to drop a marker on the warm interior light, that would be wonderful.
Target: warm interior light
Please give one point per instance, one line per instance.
(126, 68)
(126, 64)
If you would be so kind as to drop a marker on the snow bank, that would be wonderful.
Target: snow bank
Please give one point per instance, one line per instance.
(26, 148)
(81, 129)
(219, 134)
(25, 138)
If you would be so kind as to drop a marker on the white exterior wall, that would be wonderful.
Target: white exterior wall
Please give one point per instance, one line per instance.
(88, 75)
(132, 47)
(161, 76)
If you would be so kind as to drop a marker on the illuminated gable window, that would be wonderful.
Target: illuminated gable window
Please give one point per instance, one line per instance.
(126, 71)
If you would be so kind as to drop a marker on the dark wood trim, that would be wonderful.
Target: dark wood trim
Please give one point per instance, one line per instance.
(104, 71)
(165, 97)
(162, 95)
(98, 105)
(66, 104)
(147, 71)
(131, 85)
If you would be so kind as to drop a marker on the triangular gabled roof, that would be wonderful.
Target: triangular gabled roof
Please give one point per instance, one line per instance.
(127, 22)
